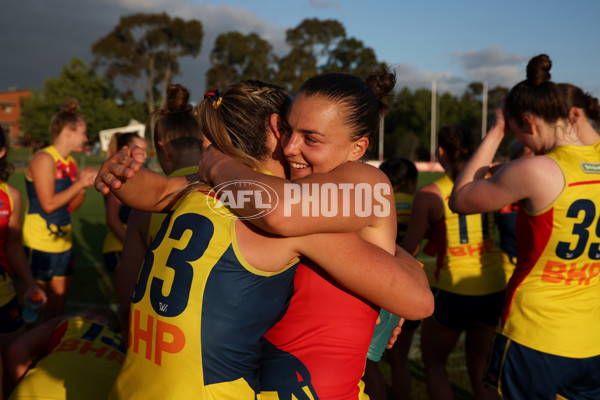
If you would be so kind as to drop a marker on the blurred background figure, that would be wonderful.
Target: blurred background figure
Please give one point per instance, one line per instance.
(468, 281)
(403, 176)
(54, 190)
(117, 213)
(76, 357)
(178, 144)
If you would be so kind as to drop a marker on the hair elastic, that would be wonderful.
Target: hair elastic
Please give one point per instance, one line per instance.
(215, 98)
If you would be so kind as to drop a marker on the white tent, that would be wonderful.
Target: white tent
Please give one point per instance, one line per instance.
(133, 127)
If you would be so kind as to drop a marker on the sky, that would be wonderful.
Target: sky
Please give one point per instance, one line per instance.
(452, 42)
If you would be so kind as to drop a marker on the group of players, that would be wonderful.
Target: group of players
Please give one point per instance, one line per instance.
(215, 303)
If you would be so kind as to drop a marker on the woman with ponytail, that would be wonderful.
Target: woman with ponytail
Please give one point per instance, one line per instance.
(547, 340)
(54, 190)
(212, 283)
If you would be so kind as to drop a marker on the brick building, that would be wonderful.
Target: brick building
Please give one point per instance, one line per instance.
(10, 112)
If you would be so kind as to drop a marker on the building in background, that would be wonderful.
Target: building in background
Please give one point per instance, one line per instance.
(10, 112)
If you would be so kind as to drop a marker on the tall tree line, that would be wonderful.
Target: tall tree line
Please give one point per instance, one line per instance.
(141, 55)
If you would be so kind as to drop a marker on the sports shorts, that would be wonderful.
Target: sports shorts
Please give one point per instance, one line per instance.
(45, 266)
(460, 312)
(519, 372)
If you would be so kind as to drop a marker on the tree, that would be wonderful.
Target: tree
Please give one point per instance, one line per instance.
(96, 98)
(312, 44)
(148, 47)
(319, 47)
(352, 57)
(237, 56)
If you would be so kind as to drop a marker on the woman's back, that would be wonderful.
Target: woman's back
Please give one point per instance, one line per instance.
(556, 248)
(199, 310)
(468, 260)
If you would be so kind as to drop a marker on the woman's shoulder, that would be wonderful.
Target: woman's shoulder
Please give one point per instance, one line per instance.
(41, 156)
(14, 193)
(362, 171)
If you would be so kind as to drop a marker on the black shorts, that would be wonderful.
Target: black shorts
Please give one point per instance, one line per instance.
(45, 266)
(457, 311)
(410, 326)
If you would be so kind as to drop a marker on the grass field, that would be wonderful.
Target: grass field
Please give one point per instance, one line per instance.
(93, 284)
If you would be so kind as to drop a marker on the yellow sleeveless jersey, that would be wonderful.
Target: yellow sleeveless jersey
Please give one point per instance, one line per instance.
(553, 298)
(156, 219)
(83, 361)
(403, 209)
(199, 310)
(50, 233)
(468, 260)
(111, 241)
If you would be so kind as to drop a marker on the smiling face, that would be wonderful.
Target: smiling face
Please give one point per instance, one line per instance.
(317, 140)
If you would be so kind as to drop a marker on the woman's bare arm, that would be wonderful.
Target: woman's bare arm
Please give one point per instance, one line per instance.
(350, 197)
(136, 186)
(396, 283)
(41, 170)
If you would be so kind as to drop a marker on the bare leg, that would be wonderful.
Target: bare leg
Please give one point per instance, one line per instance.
(478, 342)
(57, 291)
(437, 342)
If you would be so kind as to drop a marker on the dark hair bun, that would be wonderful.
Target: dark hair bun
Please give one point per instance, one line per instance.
(178, 98)
(538, 69)
(381, 83)
(71, 106)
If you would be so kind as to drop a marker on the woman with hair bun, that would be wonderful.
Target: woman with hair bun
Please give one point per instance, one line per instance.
(212, 283)
(54, 190)
(320, 344)
(547, 342)
(319, 347)
(178, 144)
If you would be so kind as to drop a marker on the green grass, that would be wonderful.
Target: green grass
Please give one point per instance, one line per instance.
(93, 283)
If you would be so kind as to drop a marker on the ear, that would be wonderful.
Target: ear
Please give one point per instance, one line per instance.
(165, 149)
(359, 147)
(574, 115)
(440, 153)
(529, 121)
(273, 133)
(275, 122)
(206, 143)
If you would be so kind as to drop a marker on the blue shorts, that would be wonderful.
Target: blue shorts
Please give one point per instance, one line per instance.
(460, 312)
(10, 317)
(112, 259)
(45, 266)
(519, 372)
